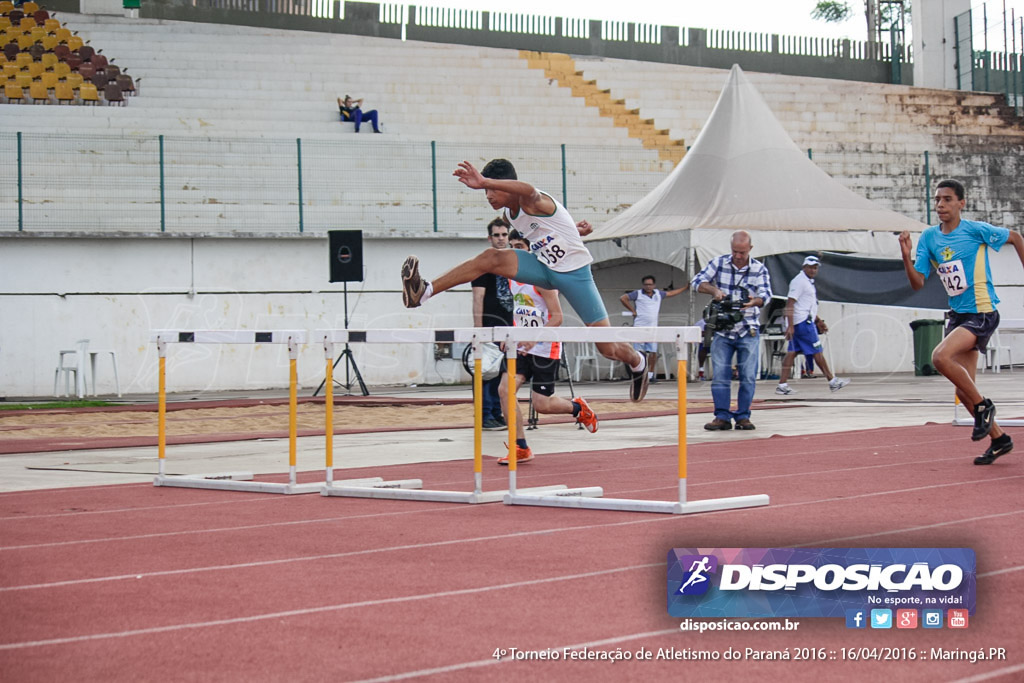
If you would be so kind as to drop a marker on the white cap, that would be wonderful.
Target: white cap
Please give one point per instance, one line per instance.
(811, 261)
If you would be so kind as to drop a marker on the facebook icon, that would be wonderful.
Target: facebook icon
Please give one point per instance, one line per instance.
(856, 618)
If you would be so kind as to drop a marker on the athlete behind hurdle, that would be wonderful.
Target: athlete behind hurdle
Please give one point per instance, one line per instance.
(557, 258)
(538, 361)
(958, 251)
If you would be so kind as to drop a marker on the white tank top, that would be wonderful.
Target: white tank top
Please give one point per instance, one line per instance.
(553, 239)
(530, 310)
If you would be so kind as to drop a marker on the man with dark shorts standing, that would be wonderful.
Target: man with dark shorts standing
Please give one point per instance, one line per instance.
(958, 251)
(492, 307)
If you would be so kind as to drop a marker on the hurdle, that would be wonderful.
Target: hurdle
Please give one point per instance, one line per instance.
(475, 337)
(234, 481)
(680, 336)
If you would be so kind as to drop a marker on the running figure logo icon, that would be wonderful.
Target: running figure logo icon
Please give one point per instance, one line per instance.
(696, 581)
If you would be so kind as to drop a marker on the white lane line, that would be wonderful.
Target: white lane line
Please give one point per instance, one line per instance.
(435, 544)
(316, 610)
(434, 506)
(490, 662)
(83, 513)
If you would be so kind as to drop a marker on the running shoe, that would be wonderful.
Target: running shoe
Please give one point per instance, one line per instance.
(837, 383)
(522, 455)
(784, 389)
(984, 417)
(639, 381)
(1000, 446)
(413, 285)
(587, 417)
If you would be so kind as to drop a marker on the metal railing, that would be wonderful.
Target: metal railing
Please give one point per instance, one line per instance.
(989, 47)
(153, 184)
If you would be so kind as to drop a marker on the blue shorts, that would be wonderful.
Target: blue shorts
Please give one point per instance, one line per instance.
(805, 339)
(577, 286)
(646, 347)
(981, 325)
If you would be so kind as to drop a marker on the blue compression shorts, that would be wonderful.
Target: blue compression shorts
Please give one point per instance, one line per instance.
(577, 286)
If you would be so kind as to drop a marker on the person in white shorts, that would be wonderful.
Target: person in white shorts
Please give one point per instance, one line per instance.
(557, 258)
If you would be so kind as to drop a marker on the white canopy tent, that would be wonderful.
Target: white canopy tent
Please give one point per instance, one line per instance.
(745, 173)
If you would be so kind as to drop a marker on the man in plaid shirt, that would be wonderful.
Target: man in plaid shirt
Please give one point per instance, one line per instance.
(738, 277)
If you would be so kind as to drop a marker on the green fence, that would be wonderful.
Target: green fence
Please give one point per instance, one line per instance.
(188, 184)
(989, 46)
(152, 184)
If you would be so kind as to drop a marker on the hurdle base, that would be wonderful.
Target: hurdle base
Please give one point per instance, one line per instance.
(434, 496)
(241, 481)
(628, 505)
(969, 422)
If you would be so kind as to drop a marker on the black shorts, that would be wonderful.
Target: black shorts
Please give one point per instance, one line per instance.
(542, 371)
(981, 325)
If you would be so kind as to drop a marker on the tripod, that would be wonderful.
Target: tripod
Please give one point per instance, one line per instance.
(350, 363)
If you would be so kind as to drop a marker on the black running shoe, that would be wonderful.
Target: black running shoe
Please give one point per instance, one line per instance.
(984, 418)
(1000, 446)
(638, 383)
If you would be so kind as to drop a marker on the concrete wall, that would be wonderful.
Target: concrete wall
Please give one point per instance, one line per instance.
(935, 66)
(113, 290)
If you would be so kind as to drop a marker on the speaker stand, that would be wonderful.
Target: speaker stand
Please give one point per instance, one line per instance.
(350, 364)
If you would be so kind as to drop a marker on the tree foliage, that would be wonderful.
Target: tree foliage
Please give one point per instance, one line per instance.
(833, 11)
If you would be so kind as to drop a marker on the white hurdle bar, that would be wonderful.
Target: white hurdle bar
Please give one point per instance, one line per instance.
(476, 337)
(589, 497)
(236, 481)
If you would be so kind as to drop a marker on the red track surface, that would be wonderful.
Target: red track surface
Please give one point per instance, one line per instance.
(140, 583)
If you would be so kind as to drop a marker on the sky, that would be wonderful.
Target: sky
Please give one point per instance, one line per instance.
(786, 17)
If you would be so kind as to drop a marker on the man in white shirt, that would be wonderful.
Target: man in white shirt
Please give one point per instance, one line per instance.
(645, 305)
(801, 327)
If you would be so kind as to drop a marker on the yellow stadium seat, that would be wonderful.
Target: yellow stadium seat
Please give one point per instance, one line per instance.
(38, 33)
(23, 59)
(50, 42)
(25, 41)
(6, 6)
(64, 93)
(10, 68)
(75, 42)
(87, 91)
(75, 80)
(30, 7)
(28, 22)
(36, 69)
(48, 60)
(63, 35)
(37, 91)
(61, 69)
(23, 79)
(13, 92)
(5, 21)
(51, 25)
(49, 79)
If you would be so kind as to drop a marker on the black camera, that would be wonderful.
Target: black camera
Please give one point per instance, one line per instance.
(722, 315)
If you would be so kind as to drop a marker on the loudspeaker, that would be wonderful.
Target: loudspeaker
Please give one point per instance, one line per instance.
(346, 255)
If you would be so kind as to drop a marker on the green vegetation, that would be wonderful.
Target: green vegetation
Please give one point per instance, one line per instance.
(54, 404)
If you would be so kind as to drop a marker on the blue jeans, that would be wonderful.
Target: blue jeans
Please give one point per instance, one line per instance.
(491, 400)
(359, 116)
(722, 351)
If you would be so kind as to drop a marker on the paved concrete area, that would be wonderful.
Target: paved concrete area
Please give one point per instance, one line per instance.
(870, 401)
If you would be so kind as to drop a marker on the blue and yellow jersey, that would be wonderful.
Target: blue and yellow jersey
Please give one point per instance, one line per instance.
(961, 261)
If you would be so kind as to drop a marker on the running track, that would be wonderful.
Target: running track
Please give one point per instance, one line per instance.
(132, 582)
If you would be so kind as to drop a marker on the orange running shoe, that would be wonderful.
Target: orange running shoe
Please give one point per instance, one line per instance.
(587, 417)
(522, 455)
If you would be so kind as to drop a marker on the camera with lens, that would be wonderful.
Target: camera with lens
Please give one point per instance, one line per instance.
(722, 315)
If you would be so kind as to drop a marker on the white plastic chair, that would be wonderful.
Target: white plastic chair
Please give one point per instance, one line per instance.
(72, 362)
(92, 368)
(992, 354)
(585, 352)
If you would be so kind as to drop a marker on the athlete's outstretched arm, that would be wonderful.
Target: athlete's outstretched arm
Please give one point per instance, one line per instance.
(532, 201)
(1018, 243)
(906, 245)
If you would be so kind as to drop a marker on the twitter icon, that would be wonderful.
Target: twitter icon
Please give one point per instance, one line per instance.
(881, 618)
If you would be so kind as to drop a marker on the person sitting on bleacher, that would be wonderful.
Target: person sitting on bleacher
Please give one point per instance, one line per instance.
(350, 110)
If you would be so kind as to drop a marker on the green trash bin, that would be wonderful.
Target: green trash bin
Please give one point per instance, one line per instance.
(927, 335)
